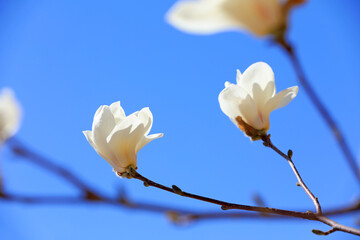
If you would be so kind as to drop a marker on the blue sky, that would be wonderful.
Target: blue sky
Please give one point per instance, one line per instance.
(66, 58)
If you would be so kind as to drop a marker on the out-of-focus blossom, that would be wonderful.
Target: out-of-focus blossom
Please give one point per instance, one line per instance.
(118, 138)
(10, 114)
(261, 17)
(249, 102)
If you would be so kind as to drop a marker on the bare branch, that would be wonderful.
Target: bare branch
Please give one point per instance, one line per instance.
(319, 105)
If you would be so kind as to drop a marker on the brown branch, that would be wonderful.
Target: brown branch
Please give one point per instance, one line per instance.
(226, 205)
(319, 105)
(182, 213)
(174, 213)
(268, 143)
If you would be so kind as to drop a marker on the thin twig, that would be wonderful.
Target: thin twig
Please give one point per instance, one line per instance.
(268, 143)
(319, 105)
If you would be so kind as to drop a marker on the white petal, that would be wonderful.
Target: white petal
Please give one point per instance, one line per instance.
(227, 84)
(258, 80)
(117, 111)
(238, 76)
(261, 17)
(229, 99)
(103, 124)
(123, 142)
(235, 101)
(10, 114)
(148, 139)
(146, 117)
(132, 122)
(90, 139)
(282, 98)
(200, 17)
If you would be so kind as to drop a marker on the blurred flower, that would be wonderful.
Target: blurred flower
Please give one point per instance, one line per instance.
(249, 102)
(118, 138)
(261, 17)
(10, 114)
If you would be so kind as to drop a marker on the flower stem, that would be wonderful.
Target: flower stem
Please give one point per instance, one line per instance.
(268, 143)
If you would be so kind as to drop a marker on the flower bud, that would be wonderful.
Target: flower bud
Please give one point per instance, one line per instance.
(249, 102)
(117, 138)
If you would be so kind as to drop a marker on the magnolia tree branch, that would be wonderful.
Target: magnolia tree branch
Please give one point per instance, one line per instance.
(226, 205)
(319, 105)
(176, 214)
(268, 143)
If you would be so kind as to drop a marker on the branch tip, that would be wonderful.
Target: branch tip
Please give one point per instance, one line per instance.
(318, 232)
(290, 153)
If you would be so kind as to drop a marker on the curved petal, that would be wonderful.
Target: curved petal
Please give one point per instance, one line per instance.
(229, 100)
(238, 76)
(132, 122)
(259, 81)
(281, 99)
(89, 138)
(148, 139)
(103, 124)
(200, 17)
(117, 111)
(235, 101)
(123, 142)
(251, 114)
(146, 118)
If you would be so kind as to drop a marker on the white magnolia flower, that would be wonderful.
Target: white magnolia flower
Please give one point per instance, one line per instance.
(10, 114)
(118, 138)
(249, 102)
(260, 17)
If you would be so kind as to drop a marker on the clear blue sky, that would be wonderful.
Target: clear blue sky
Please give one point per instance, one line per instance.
(66, 58)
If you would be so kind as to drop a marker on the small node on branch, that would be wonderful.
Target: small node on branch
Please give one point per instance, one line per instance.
(92, 196)
(266, 140)
(146, 184)
(2, 194)
(290, 153)
(177, 190)
(298, 184)
(224, 208)
(19, 151)
(318, 232)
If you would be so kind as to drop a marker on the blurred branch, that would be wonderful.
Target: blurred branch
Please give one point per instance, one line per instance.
(21, 150)
(319, 105)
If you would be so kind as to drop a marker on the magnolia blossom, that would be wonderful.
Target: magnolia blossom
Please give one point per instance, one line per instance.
(118, 138)
(260, 17)
(249, 102)
(10, 114)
